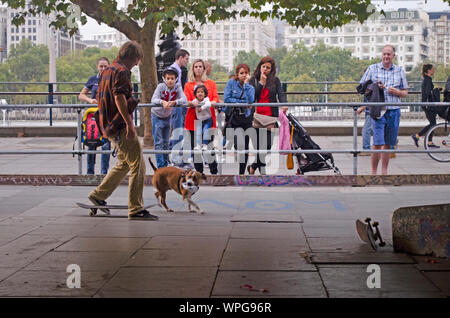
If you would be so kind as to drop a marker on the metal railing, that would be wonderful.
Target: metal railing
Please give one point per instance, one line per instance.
(352, 106)
(296, 92)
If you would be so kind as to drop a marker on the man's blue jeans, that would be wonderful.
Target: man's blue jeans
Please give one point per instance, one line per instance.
(161, 135)
(104, 162)
(367, 131)
(177, 118)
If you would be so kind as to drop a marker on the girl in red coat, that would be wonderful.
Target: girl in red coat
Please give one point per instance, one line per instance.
(197, 76)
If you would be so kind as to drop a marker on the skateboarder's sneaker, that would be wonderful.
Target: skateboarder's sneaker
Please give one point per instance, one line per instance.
(96, 201)
(143, 215)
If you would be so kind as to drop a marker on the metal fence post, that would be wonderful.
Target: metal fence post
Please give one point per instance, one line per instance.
(136, 96)
(219, 129)
(50, 101)
(80, 159)
(355, 140)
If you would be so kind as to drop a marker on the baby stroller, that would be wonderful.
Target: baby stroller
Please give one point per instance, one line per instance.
(309, 161)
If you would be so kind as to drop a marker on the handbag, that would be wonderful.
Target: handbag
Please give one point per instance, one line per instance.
(263, 121)
(290, 156)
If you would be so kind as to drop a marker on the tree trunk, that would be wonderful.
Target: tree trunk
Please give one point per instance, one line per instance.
(149, 79)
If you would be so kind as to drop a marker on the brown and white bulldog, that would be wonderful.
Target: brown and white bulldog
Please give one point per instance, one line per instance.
(184, 182)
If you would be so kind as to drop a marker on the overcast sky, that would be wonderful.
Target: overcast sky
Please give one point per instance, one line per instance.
(93, 27)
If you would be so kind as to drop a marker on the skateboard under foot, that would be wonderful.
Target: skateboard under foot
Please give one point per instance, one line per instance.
(106, 208)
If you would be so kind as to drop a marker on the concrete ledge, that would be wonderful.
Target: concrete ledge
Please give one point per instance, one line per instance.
(252, 181)
(422, 230)
(72, 131)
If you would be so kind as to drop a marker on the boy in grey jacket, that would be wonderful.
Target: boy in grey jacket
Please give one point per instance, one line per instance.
(167, 94)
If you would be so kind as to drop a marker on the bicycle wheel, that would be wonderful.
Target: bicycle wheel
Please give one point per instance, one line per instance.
(441, 138)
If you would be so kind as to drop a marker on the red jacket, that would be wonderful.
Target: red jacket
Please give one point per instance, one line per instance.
(191, 116)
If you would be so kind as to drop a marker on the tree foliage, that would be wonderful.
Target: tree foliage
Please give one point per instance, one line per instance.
(28, 63)
(250, 58)
(441, 73)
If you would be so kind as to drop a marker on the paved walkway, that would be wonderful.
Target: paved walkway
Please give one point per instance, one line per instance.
(66, 164)
(296, 242)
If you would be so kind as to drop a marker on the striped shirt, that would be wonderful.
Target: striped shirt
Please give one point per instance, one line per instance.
(394, 77)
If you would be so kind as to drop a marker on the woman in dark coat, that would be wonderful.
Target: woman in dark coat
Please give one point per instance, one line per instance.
(427, 96)
(267, 90)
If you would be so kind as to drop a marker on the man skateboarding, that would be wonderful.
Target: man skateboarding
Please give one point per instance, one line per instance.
(116, 105)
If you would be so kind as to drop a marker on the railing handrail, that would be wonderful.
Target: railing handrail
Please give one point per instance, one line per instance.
(220, 93)
(217, 82)
(250, 151)
(302, 104)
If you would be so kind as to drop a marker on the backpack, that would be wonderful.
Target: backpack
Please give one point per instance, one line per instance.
(90, 132)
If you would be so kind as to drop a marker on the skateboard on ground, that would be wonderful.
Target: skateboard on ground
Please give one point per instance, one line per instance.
(367, 233)
(106, 208)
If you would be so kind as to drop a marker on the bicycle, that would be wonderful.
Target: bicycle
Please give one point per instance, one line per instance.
(441, 137)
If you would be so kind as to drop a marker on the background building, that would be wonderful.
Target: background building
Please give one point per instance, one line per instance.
(108, 39)
(409, 32)
(440, 22)
(37, 29)
(223, 40)
(3, 33)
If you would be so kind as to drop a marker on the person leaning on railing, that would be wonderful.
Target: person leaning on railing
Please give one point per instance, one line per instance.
(238, 90)
(92, 87)
(197, 76)
(267, 90)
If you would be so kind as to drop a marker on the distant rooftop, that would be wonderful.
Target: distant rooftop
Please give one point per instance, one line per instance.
(438, 14)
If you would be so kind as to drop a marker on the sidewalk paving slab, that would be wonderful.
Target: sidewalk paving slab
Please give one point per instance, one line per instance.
(168, 257)
(356, 257)
(186, 242)
(161, 282)
(87, 244)
(88, 261)
(337, 244)
(351, 281)
(441, 280)
(439, 264)
(51, 284)
(26, 249)
(266, 230)
(278, 283)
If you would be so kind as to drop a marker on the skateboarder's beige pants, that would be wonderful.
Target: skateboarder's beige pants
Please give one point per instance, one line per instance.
(129, 155)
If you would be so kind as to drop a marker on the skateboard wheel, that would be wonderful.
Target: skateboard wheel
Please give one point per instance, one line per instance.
(375, 223)
(93, 212)
(367, 220)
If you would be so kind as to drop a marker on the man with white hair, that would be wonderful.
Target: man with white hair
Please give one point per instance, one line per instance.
(392, 79)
